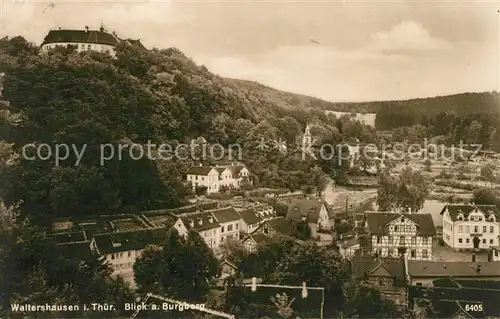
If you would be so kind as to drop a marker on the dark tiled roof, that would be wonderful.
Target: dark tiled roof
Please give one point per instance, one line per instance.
(80, 36)
(282, 225)
(424, 268)
(67, 237)
(133, 240)
(76, 250)
(455, 209)
(224, 215)
(377, 223)
(349, 242)
(258, 238)
(305, 208)
(199, 170)
(236, 169)
(201, 221)
(364, 265)
(250, 216)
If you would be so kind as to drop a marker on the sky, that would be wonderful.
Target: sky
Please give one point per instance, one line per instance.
(334, 50)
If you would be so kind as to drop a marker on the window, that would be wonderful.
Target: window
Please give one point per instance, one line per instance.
(467, 240)
(413, 253)
(467, 229)
(381, 282)
(129, 254)
(425, 254)
(395, 228)
(476, 229)
(230, 227)
(460, 229)
(484, 229)
(492, 229)
(402, 240)
(390, 240)
(491, 241)
(112, 256)
(83, 46)
(89, 47)
(222, 229)
(236, 225)
(484, 241)
(379, 239)
(424, 241)
(414, 240)
(419, 284)
(460, 240)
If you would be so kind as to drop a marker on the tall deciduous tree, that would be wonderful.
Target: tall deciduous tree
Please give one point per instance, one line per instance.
(408, 191)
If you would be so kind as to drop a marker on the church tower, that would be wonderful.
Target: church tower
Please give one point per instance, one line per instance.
(307, 139)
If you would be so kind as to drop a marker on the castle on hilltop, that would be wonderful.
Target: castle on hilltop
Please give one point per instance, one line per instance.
(86, 40)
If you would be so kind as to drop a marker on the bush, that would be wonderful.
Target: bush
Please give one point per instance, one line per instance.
(441, 242)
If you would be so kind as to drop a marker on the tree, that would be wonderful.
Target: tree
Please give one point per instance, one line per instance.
(366, 302)
(409, 191)
(179, 269)
(487, 172)
(302, 229)
(485, 196)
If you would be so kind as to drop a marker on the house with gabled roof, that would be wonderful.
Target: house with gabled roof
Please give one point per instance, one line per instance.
(314, 212)
(470, 226)
(279, 225)
(121, 249)
(253, 241)
(213, 177)
(204, 223)
(387, 275)
(229, 221)
(250, 220)
(396, 234)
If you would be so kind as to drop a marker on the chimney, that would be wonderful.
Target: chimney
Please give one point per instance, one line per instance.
(409, 210)
(210, 219)
(86, 28)
(191, 223)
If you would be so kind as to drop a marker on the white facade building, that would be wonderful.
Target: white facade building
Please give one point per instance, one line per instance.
(230, 175)
(470, 226)
(396, 234)
(85, 40)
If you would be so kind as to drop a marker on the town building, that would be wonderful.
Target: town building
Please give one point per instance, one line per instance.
(494, 254)
(215, 178)
(279, 225)
(348, 247)
(229, 222)
(469, 226)
(121, 249)
(395, 234)
(204, 223)
(314, 212)
(253, 241)
(384, 274)
(424, 272)
(227, 269)
(250, 220)
(85, 40)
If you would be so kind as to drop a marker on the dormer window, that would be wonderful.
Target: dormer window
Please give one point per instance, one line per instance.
(460, 217)
(492, 218)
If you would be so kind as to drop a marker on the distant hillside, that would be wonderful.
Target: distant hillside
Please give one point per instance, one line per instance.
(463, 103)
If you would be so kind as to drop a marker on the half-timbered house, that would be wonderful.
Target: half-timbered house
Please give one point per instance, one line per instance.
(396, 234)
